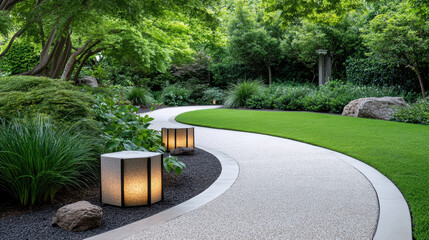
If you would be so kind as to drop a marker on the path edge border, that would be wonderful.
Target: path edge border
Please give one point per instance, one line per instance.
(227, 177)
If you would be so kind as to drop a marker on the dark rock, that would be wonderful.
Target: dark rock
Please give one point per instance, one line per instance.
(377, 108)
(182, 151)
(79, 216)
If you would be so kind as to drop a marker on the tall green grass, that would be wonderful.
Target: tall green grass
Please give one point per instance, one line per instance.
(38, 158)
(240, 92)
(140, 96)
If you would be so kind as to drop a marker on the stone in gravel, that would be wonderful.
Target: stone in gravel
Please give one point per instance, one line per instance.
(79, 216)
(182, 151)
(377, 108)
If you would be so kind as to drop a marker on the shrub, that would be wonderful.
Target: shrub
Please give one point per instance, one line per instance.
(417, 112)
(37, 158)
(173, 164)
(20, 58)
(28, 96)
(332, 97)
(123, 129)
(213, 94)
(175, 95)
(140, 96)
(373, 71)
(241, 92)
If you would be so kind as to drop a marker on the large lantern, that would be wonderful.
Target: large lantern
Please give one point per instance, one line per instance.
(131, 178)
(173, 138)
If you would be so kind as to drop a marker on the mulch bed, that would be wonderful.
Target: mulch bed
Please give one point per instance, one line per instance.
(18, 222)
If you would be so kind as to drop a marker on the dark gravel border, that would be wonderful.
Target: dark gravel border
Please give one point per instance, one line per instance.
(202, 170)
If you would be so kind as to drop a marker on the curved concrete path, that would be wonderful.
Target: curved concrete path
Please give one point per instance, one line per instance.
(285, 190)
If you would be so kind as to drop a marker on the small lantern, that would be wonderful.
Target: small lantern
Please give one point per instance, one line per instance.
(173, 138)
(131, 178)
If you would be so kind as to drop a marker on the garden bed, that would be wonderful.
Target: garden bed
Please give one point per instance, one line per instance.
(23, 223)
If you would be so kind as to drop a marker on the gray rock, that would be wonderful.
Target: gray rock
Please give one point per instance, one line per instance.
(90, 81)
(182, 151)
(377, 108)
(79, 216)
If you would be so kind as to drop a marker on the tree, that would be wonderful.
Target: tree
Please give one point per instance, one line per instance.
(71, 31)
(321, 11)
(401, 37)
(251, 43)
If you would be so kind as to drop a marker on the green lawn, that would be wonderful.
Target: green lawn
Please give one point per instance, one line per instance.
(398, 150)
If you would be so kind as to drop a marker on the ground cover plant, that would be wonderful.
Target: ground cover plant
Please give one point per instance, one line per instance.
(123, 129)
(29, 96)
(38, 158)
(397, 150)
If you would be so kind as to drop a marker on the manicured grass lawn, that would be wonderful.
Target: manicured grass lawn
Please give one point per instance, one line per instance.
(398, 150)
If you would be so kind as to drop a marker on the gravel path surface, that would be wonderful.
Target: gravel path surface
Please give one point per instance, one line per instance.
(202, 170)
(285, 190)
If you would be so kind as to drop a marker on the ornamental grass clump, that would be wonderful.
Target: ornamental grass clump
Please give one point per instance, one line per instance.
(240, 92)
(140, 96)
(38, 158)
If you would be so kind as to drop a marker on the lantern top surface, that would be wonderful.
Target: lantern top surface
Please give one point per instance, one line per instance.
(130, 154)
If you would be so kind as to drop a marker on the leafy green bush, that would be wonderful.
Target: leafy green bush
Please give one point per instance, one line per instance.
(417, 112)
(20, 58)
(332, 97)
(175, 95)
(28, 96)
(123, 129)
(240, 92)
(37, 158)
(173, 164)
(140, 96)
(373, 71)
(213, 94)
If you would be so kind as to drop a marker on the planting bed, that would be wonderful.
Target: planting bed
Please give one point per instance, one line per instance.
(23, 223)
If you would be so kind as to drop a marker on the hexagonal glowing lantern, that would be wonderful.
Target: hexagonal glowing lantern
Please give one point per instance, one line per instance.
(131, 178)
(178, 137)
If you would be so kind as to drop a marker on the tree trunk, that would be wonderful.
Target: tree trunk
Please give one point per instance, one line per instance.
(419, 76)
(68, 70)
(85, 58)
(45, 57)
(58, 52)
(7, 5)
(9, 45)
(269, 73)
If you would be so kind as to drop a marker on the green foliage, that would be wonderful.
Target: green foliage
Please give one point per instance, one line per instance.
(374, 71)
(401, 37)
(173, 164)
(175, 95)
(213, 94)
(123, 129)
(20, 58)
(251, 43)
(417, 112)
(332, 97)
(28, 96)
(37, 158)
(140, 96)
(239, 93)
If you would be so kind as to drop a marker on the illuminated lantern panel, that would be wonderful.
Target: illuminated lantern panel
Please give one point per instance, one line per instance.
(173, 138)
(131, 178)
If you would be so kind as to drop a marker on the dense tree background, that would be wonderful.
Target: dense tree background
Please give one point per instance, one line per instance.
(217, 42)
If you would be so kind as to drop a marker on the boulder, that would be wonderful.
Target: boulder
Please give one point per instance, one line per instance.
(377, 108)
(79, 216)
(90, 81)
(182, 151)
